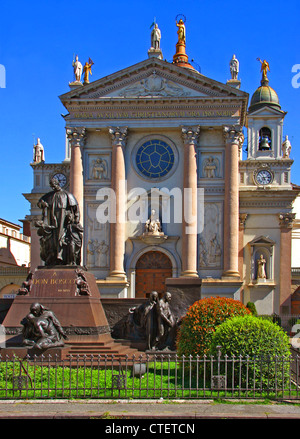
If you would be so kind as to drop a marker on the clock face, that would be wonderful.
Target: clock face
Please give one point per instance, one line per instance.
(62, 179)
(264, 177)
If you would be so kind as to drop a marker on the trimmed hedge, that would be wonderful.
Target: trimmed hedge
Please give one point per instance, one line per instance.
(200, 322)
(266, 344)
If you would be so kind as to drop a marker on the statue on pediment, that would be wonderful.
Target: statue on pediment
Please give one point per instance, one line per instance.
(77, 66)
(87, 70)
(234, 67)
(155, 37)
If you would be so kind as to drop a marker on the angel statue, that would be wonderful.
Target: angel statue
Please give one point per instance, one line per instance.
(87, 69)
(264, 68)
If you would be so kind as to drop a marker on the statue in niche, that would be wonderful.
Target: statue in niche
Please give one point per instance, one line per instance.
(210, 167)
(41, 329)
(153, 225)
(39, 154)
(102, 251)
(155, 37)
(99, 169)
(60, 230)
(77, 66)
(234, 67)
(261, 271)
(286, 148)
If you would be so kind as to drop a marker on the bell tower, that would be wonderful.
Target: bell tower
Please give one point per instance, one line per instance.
(266, 145)
(266, 196)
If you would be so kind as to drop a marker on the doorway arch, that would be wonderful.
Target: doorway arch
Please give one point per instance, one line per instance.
(152, 270)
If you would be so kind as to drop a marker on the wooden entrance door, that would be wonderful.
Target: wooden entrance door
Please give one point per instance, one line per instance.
(152, 269)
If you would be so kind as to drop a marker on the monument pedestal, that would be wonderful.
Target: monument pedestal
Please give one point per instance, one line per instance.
(71, 293)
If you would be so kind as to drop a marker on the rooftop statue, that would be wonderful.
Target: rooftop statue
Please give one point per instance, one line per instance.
(264, 68)
(38, 154)
(155, 37)
(60, 230)
(77, 69)
(234, 67)
(87, 70)
(181, 31)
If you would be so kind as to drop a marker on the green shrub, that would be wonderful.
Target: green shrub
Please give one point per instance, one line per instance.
(202, 318)
(251, 306)
(266, 344)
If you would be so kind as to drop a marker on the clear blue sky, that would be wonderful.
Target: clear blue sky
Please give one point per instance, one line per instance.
(38, 40)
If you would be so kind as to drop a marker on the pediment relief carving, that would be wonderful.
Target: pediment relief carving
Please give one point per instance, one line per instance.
(154, 80)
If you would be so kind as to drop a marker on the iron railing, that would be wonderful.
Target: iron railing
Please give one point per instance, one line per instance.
(153, 376)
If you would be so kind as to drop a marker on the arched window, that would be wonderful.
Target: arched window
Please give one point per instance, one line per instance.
(265, 139)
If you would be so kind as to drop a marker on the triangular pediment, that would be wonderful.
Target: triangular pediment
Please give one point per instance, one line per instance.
(267, 111)
(153, 78)
(262, 240)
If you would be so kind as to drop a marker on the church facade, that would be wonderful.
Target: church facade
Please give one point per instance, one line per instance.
(154, 157)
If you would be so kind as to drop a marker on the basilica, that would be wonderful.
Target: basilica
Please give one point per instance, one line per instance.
(170, 192)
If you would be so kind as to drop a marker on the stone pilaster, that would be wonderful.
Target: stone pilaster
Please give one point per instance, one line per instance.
(189, 218)
(76, 138)
(233, 141)
(118, 184)
(286, 225)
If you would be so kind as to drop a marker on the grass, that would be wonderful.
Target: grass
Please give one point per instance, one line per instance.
(162, 380)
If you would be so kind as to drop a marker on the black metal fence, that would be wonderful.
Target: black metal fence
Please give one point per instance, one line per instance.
(166, 376)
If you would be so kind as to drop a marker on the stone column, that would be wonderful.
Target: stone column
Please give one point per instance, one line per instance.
(76, 137)
(233, 141)
(118, 184)
(242, 221)
(189, 205)
(286, 227)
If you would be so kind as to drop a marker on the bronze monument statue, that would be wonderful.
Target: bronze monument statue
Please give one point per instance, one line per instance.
(60, 230)
(41, 329)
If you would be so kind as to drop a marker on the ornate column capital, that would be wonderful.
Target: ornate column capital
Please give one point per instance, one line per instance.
(118, 135)
(190, 135)
(234, 135)
(76, 136)
(286, 220)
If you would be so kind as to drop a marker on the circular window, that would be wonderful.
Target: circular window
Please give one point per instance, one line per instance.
(154, 158)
